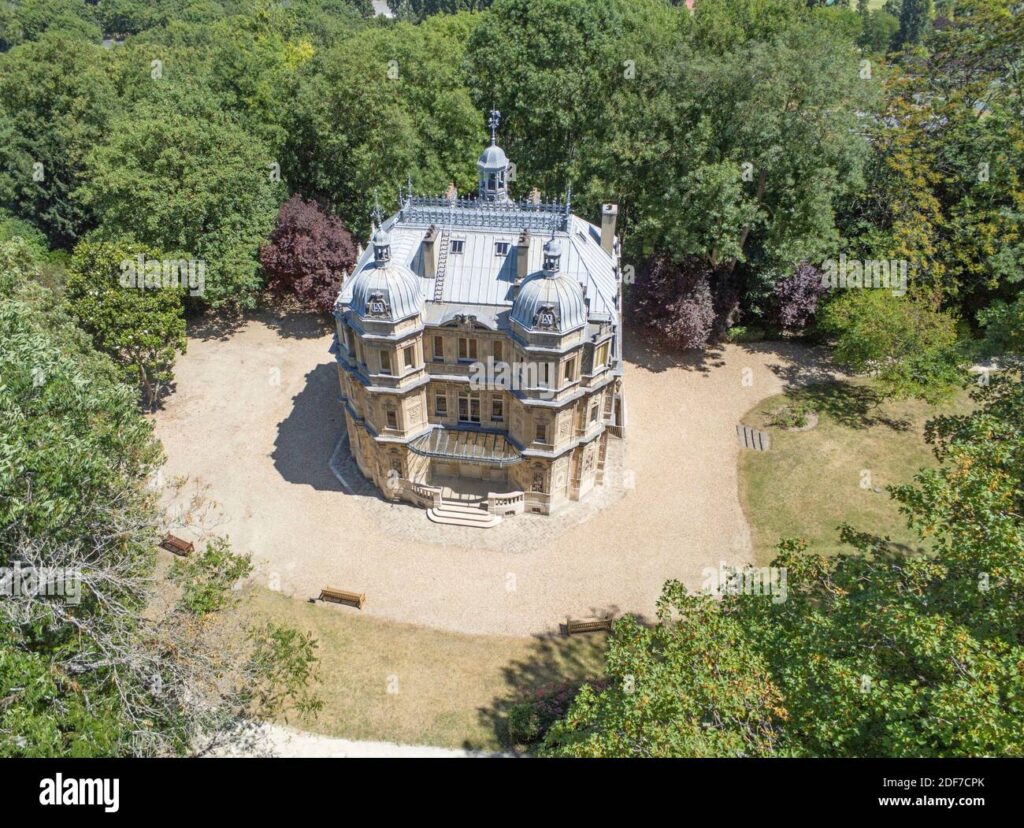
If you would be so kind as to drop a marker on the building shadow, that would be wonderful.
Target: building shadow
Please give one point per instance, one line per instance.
(306, 438)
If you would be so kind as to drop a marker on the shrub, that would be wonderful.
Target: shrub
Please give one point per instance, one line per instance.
(307, 253)
(797, 297)
(675, 301)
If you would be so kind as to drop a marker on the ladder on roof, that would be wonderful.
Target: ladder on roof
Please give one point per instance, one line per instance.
(442, 263)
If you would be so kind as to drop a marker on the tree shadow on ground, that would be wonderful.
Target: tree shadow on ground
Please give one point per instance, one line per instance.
(798, 364)
(215, 326)
(811, 377)
(852, 405)
(549, 676)
(645, 350)
(295, 324)
(306, 438)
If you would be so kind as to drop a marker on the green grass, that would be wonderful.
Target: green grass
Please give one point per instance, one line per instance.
(811, 481)
(382, 680)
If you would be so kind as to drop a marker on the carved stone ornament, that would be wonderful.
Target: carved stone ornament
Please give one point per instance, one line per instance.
(546, 318)
(378, 306)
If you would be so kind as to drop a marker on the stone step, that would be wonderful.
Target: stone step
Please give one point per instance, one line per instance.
(459, 518)
(456, 506)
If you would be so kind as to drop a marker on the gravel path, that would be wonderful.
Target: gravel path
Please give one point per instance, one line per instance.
(289, 743)
(255, 418)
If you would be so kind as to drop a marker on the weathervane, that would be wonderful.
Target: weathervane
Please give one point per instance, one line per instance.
(376, 213)
(493, 119)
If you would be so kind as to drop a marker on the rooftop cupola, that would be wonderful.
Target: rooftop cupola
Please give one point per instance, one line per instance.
(381, 247)
(492, 166)
(552, 256)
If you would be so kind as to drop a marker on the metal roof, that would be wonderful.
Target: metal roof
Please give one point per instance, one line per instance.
(478, 275)
(467, 445)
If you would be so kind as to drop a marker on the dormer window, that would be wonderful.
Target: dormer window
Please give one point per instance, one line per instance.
(501, 248)
(457, 246)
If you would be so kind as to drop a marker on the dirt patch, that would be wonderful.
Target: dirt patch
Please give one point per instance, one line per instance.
(256, 418)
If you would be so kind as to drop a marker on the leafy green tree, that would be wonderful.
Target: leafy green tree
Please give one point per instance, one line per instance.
(945, 190)
(875, 652)
(379, 108)
(56, 104)
(106, 666)
(915, 16)
(140, 325)
(692, 685)
(198, 190)
(908, 345)
(23, 21)
(879, 31)
(551, 66)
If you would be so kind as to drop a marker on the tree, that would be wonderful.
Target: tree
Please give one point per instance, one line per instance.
(199, 189)
(104, 664)
(797, 296)
(910, 347)
(675, 302)
(879, 31)
(139, 322)
(56, 104)
(875, 652)
(423, 126)
(915, 16)
(307, 254)
(27, 20)
(739, 143)
(551, 67)
(692, 685)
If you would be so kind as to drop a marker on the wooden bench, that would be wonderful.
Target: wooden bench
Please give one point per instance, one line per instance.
(342, 596)
(176, 545)
(587, 625)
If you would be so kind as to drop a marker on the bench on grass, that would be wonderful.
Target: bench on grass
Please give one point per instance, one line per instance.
(587, 625)
(176, 545)
(342, 596)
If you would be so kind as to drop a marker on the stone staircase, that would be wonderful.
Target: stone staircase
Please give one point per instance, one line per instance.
(457, 514)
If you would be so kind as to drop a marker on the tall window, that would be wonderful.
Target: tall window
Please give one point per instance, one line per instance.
(408, 356)
(469, 408)
(439, 349)
(392, 417)
(601, 356)
(441, 404)
(498, 351)
(541, 435)
(385, 362)
(497, 410)
(467, 348)
(570, 369)
(593, 411)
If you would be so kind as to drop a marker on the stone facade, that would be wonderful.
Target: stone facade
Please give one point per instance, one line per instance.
(508, 399)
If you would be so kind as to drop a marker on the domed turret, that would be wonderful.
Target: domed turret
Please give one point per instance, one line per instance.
(552, 257)
(493, 166)
(381, 242)
(550, 301)
(385, 291)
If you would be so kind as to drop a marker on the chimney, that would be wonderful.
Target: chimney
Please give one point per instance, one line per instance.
(609, 216)
(522, 255)
(430, 252)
